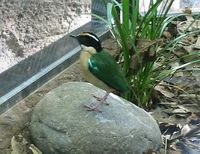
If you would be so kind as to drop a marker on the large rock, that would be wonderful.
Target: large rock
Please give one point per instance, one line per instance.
(60, 124)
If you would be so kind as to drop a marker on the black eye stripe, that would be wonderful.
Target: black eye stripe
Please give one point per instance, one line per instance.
(90, 35)
(90, 40)
(94, 37)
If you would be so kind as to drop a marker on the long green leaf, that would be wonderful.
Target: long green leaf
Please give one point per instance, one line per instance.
(166, 73)
(163, 16)
(125, 17)
(134, 20)
(146, 16)
(109, 14)
(117, 4)
(167, 21)
(123, 40)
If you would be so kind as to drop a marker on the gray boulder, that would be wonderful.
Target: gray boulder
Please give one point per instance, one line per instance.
(61, 125)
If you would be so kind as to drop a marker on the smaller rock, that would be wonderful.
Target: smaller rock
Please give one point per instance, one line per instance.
(60, 124)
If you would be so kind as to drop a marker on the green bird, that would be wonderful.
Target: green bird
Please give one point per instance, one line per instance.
(100, 68)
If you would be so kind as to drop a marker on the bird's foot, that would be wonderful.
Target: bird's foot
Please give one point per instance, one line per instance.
(94, 107)
(102, 99)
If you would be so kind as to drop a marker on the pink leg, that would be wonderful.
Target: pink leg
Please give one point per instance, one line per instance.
(93, 107)
(100, 101)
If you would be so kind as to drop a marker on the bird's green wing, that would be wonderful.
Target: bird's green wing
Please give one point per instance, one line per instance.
(104, 67)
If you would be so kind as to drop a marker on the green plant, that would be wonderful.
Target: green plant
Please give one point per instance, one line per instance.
(129, 27)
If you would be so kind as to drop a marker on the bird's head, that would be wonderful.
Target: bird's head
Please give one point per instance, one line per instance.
(89, 39)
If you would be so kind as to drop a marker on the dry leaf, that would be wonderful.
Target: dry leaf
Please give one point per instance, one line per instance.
(167, 35)
(189, 18)
(34, 149)
(197, 45)
(185, 130)
(180, 51)
(187, 10)
(172, 29)
(179, 111)
(195, 115)
(189, 96)
(168, 128)
(164, 91)
(19, 145)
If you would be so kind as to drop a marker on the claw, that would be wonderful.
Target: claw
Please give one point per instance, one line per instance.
(100, 101)
(93, 107)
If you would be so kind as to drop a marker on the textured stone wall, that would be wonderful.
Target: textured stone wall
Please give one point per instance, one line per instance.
(26, 26)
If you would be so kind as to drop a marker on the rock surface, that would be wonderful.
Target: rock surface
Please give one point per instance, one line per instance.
(60, 124)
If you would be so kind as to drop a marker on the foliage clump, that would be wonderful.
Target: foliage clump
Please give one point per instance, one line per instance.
(143, 40)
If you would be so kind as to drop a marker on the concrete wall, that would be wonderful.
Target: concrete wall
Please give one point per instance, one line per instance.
(27, 26)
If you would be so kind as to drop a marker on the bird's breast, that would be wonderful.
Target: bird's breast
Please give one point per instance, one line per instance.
(84, 61)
